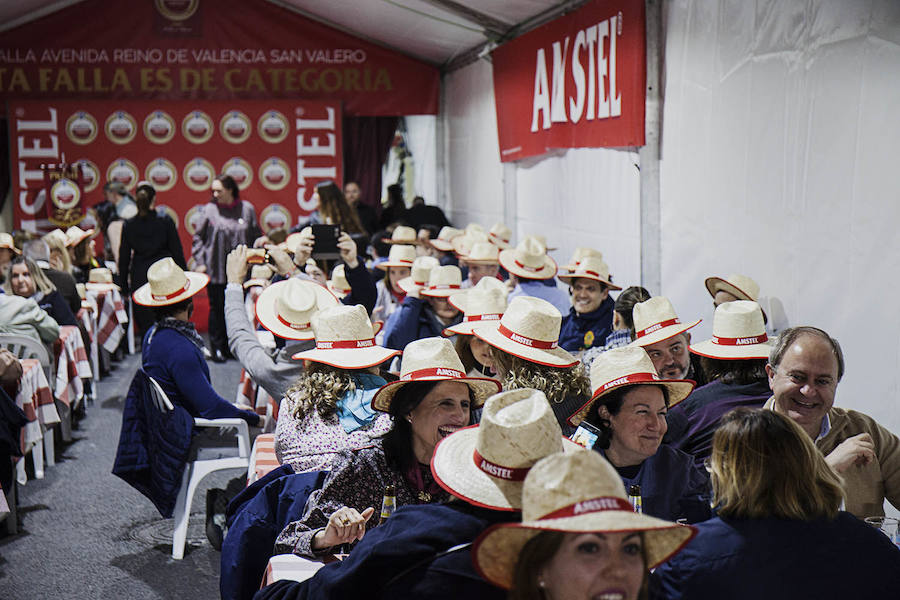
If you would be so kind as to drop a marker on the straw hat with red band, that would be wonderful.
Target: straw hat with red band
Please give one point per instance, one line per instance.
(486, 464)
(338, 283)
(101, 279)
(259, 275)
(75, 235)
(482, 253)
(443, 241)
(433, 359)
(529, 260)
(345, 339)
(529, 329)
(573, 493)
(591, 268)
(443, 282)
(629, 365)
(655, 320)
(542, 240)
(403, 235)
(739, 286)
(488, 284)
(419, 273)
(581, 252)
(500, 235)
(463, 244)
(286, 308)
(399, 256)
(168, 284)
(739, 332)
(6, 241)
(482, 306)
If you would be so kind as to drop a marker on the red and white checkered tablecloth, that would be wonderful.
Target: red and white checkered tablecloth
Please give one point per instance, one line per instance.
(112, 319)
(36, 401)
(72, 365)
(262, 457)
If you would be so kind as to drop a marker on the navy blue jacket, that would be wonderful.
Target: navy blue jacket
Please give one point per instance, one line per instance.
(362, 287)
(575, 327)
(416, 321)
(410, 556)
(56, 306)
(779, 559)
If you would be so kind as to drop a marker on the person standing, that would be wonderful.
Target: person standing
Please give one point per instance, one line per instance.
(224, 222)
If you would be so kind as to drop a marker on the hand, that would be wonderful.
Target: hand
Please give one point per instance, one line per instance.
(856, 451)
(346, 525)
(283, 263)
(305, 247)
(236, 265)
(348, 250)
(261, 242)
(10, 367)
(200, 269)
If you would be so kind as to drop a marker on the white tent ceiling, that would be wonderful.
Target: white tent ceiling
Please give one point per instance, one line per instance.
(436, 31)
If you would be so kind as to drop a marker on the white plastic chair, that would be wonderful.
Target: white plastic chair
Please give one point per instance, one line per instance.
(195, 471)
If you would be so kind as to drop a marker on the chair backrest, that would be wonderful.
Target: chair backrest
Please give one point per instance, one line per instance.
(23, 347)
(159, 396)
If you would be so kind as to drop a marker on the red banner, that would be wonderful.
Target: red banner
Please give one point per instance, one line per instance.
(63, 194)
(277, 152)
(221, 50)
(576, 82)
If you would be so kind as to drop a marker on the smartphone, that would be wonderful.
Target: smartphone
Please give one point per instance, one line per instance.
(326, 240)
(586, 435)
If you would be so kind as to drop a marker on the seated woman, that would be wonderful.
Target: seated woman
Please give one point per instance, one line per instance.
(81, 252)
(328, 409)
(26, 279)
(426, 312)
(172, 348)
(432, 399)
(779, 524)
(629, 409)
(579, 537)
(525, 354)
(482, 305)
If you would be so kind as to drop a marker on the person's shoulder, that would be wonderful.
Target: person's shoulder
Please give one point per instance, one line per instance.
(673, 456)
(850, 419)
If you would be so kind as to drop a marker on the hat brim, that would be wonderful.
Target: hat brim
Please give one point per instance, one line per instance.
(663, 334)
(503, 245)
(571, 277)
(557, 357)
(479, 261)
(349, 358)
(251, 282)
(438, 293)
(267, 310)
(678, 390)
(454, 469)
(481, 387)
(340, 293)
(407, 285)
(717, 284)
(72, 243)
(101, 286)
(196, 283)
(710, 350)
(416, 242)
(508, 262)
(386, 264)
(496, 551)
(442, 245)
(11, 248)
(467, 328)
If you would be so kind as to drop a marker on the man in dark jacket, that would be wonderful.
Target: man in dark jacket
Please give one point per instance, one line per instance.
(590, 319)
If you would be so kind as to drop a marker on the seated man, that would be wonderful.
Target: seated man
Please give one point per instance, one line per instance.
(590, 320)
(658, 330)
(804, 370)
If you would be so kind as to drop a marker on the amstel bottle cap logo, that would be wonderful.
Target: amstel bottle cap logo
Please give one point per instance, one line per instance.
(165, 208)
(272, 127)
(240, 171)
(90, 175)
(81, 128)
(177, 10)
(162, 174)
(235, 127)
(274, 174)
(192, 219)
(123, 171)
(197, 127)
(120, 127)
(274, 216)
(65, 194)
(198, 174)
(159, 127)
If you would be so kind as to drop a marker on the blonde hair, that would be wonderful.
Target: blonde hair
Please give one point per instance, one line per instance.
(41, 283)
(319, 389)
(56, 244)
(764, 465)
(557, 383)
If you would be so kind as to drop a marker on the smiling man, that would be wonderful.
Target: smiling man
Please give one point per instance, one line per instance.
(804, 370)
(590, 319)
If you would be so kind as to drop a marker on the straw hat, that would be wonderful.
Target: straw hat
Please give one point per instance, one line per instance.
(57, 236)
(739, 286)
(482, 253)
(6, 241)
(591, 267)
(573, 492)
(485, 283)
(399, 256)
(499, 235)
(529, 259)
(541, 239)
(433, 359)
(462, 245)
(338, 283)
(345, 339)
(286, 308)
(581, 252)
(419, 273)
(259, 275)
(403, 235)
(474, 228)
(655, 320)
(75, 235)
(529, 329)
(168, 284)
(486, 464)
(82, 291)
(443, 282)
(483, 306)
(292, 242)
(446, 235)
(739, 332)
(629, 365)
(100, 279)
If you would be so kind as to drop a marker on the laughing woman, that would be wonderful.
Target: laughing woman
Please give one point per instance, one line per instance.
(432, 399)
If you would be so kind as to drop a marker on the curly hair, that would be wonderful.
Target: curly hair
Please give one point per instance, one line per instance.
(557, 383)
(320, 388)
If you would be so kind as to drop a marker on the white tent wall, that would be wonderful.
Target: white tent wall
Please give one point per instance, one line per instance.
(421, 136)
(779, 162)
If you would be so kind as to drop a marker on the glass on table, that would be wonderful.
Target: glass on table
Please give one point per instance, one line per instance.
(887, 525)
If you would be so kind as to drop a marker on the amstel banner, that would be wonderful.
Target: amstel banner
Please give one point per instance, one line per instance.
(277, 151)
(207, 49)
(576, 82)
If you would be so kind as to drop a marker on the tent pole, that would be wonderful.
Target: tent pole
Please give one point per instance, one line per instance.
(649, 154)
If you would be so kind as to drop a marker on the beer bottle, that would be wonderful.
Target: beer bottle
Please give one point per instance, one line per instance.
(634, 496)
(388, 503)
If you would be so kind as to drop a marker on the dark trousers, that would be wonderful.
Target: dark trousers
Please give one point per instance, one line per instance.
(218, 335)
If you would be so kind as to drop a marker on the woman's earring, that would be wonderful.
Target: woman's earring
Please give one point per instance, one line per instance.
(542, 584)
